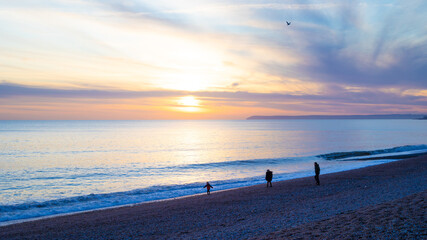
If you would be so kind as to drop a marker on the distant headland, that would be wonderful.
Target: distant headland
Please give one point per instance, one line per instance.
(379, 116)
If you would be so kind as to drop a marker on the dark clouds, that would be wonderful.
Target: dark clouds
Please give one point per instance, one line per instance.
(335, 96)
(16, 90)
(389, 51)
(354, 43)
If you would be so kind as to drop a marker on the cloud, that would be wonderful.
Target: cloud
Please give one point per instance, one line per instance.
(235, 84)
(336, 55)
(333, 95)
(8, 90)
(18, 100)
(348, 48)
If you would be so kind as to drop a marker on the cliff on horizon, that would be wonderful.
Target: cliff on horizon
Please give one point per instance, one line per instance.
(379, 116)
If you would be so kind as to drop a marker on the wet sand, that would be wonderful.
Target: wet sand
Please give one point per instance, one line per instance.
(386, 201)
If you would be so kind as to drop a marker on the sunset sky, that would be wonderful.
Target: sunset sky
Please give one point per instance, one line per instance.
(183, 59)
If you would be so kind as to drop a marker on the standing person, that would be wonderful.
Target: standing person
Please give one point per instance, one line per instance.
(208, 188)
(317, 171)
(269, 177)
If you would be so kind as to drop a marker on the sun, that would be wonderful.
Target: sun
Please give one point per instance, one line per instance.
(188, 101)
(188, 104)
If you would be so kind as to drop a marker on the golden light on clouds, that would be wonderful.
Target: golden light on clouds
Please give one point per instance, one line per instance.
(187, 81)
(188, 101)
(416, 92)
(143, 60)
(188, 104)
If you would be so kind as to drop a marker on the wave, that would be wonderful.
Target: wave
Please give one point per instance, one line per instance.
(96, 201)
(158, 190)
(345, 155)
(239, 163)
(79, 173)
(34, 209)
(400, 152)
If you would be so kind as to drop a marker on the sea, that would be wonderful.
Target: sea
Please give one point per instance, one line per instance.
(50, 168)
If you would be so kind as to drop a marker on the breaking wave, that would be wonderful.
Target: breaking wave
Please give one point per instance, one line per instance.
(28, 210)
(398, 151)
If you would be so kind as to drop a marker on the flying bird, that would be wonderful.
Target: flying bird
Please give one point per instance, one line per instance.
(289, 23)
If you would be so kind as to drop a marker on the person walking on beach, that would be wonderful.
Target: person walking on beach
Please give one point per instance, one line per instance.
(269, 177)
(208, 188)
(317, 171)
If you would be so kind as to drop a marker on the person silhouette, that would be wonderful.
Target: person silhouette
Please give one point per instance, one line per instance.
(269, 177)
(317, 171)
(208, 188)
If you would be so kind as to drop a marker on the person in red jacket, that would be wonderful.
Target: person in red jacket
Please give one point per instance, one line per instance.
(208, 188)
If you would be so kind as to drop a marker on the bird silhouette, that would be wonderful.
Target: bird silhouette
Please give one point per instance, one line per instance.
(289, 23)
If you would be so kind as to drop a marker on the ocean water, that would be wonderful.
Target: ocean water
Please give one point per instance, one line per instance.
(57, 167)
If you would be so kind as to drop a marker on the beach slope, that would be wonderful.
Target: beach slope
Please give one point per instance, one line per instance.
(404, 218)
(344, 204)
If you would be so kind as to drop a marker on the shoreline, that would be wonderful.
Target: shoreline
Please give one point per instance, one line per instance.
(239, 209)
(390, 158)
(18, 221)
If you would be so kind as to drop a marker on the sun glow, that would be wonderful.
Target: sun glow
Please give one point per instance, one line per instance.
(188, 101)
(188, 104)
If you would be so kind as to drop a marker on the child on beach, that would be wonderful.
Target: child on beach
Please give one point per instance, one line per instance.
(208, 188)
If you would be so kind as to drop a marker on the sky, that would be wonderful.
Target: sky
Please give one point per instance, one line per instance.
(185, 59)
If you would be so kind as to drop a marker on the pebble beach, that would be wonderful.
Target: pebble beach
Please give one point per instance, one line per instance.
(385, 201)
